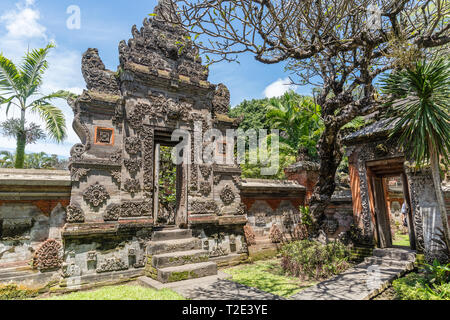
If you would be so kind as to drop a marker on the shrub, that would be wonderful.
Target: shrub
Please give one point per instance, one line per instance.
(416, 286)
(16, 292)
(312, 260)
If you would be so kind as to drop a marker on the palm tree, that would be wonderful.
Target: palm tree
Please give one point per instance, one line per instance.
(7, 159)
(19, 87)
(299, 120)
(420, 100)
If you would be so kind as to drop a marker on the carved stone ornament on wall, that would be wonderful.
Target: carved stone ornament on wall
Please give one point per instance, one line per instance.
(74, 214)
(330, 225)
(116, 175)
(96, 195)
(204, 207)
(112, 264)
(79, 173)
(205, 170)
(132, 186)
(227, 195)
(133, 165)
(136, 209)
(116, 157)
(112, 212)
(133, 145)
(48, 256)
(205, 189)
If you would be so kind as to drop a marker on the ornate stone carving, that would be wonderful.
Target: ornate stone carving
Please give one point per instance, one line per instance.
(116, 157)
(112, 212)
(221, 100)
(249, 234)
(205, 170)
(112, 264)
(132, 186)
(217, 179)
(78, 173)
(275, 234)
(204, 207)
(48, 256)
(116, 175)
(242, 209)
(136, 209)
(96, 195)
(330, 225)
(74, 214)
(95, 74)
(227, 195)
(205, 189)
(133, 165)
(147, 135)
(133, 145)
(77, 151)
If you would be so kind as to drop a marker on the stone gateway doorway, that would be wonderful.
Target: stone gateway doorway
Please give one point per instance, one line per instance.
(388, 183)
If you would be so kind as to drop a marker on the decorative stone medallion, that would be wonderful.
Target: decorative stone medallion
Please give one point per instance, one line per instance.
(112, 212)
(227, 195)
(74, 214)
(132, 186)
(96, 195)
(133, 145)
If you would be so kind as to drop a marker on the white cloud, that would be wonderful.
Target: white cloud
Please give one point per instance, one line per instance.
(23, 22)
(23, 31)
(278, 88)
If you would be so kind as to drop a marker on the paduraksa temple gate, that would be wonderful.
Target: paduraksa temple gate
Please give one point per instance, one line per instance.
(123, 121)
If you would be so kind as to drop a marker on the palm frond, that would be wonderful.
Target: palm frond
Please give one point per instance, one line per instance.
(61, 94)
(54, 120)
(10, 80)
(420, 101)
(33, 67)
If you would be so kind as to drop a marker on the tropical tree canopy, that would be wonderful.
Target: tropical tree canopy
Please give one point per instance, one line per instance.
(419, 98)
(299, 120)
(20, 87)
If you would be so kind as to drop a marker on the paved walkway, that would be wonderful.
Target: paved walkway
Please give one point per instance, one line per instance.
(212, 288)
(363, 281)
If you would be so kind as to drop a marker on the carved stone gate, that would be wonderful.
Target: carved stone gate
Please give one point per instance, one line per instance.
(160, 86)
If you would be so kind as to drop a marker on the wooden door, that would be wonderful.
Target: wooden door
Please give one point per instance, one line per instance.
(381, 214)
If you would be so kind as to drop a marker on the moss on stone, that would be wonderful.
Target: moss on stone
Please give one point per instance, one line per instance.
(184, 275)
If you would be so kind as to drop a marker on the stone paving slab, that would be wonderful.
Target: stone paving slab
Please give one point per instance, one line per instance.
(212, 288)
(353, 284)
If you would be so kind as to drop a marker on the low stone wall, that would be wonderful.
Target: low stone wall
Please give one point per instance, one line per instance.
(32, 210)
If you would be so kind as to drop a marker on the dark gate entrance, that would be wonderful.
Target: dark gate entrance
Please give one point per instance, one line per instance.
(378, 172)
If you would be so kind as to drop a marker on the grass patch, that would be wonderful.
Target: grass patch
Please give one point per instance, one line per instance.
(401, 240)
(415, 286)
(123, 292)
(269, 277)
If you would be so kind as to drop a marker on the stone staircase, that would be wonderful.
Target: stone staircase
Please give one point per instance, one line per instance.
(365, 280)
(395, 257)
(174, 255)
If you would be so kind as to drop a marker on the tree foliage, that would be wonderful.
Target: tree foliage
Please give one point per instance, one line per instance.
(20, 88)
(332, 44)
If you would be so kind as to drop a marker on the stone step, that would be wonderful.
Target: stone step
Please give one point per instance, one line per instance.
(172, 234)
(395, 253)
(173, 259)
(187, 271)
(388, 262)
(14, 274)
(159, 247)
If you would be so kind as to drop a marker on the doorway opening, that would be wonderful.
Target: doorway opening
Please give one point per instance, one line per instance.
(167, 183)
(391, 204)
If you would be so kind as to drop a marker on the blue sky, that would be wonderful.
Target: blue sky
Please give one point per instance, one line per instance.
(33, 23)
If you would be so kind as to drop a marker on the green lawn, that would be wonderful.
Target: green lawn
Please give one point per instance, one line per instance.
(401, 240)
(268, 276)
(123, 292)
